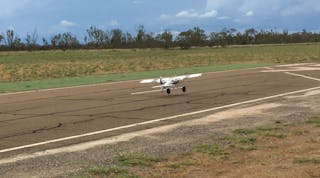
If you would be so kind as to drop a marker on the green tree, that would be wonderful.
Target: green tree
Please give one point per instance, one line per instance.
(250, 35)
(97, 37)
(31, 40)
(184, 39)
(65, 41)
(55, 40)
(213, 39)
(117, 38)
(1, 38)
(10, 38)
(13, 41)
(129, 40)
(192, 37)
(198, 37)
(140, 34)
(70, 41)
(165, 38)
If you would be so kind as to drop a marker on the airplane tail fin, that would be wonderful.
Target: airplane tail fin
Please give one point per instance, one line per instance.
(161, 82)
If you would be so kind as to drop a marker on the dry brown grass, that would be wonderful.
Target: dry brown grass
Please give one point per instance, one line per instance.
(22, 66)
(274, 157)
(281, 150)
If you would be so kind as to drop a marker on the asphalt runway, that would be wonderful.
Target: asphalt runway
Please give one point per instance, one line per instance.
(40, 120)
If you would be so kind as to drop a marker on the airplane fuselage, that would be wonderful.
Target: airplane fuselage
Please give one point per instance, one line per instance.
(166, 84)
(170, 83)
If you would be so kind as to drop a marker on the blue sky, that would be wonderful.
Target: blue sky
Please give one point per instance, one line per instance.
(49, 17)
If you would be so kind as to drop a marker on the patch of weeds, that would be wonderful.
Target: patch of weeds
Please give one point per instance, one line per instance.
(173, 165)
(225, 138)
(281, 124)
(271, 132)
(98, 171)
(268, 129)
(276, 135)
(306, 160)
(246, 139)
(136, 159)
(277, 122)
(214, 150)
(187, 154)
(314, 120)
(236, 162)
(288, 124)
(114, 171)
(244, 131)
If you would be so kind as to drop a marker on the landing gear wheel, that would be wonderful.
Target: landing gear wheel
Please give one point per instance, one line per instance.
(168, 91)
(184, 89)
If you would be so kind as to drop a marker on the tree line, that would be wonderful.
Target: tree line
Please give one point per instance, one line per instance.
(96, 38)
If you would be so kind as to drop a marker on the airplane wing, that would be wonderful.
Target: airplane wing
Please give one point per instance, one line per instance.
(148, 80)
(181, 77)
(154, 80)
(194, 75)
(188, 76)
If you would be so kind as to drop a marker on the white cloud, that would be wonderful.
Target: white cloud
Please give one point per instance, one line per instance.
(209, 14)
(65, 23)
(193, 14)
(269, 7)
(249, 13)
(187, 14)
(114, 23)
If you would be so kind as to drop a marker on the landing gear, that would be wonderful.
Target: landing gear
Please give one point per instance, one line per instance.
(184, 89)
(168, 91)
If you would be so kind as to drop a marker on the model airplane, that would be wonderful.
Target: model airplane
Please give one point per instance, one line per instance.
(167, 84)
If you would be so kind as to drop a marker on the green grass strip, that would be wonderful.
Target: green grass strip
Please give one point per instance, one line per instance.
(76, 81)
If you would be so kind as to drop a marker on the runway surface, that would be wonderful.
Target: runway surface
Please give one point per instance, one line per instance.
(33, 121)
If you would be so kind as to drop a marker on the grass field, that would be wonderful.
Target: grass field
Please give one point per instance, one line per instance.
(85, 80)
(44, 69)
(275, 150)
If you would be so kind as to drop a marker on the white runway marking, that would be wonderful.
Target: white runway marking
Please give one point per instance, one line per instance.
(143, 92)
(223, 115)
(293, 69)
(156, 120)
(298, 64)
(303, 76)
(62, 88)
(269, 68)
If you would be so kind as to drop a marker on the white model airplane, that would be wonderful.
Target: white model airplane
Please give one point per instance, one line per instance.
(169, 83)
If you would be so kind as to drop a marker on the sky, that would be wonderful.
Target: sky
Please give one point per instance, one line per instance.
(49, 17)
